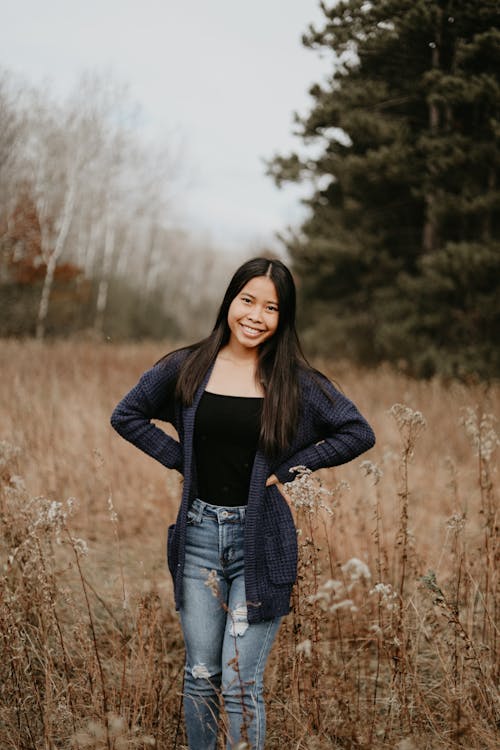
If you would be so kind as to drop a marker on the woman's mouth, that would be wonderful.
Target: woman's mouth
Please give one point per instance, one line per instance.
(249, 331)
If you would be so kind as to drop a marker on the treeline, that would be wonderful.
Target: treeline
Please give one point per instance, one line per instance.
(399, 258)
(88, 232)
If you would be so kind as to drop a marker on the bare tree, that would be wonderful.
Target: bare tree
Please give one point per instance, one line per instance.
(57, 157)
(104, 202)
(12, 132)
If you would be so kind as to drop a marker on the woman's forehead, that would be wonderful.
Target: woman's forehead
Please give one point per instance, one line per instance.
(262, 287)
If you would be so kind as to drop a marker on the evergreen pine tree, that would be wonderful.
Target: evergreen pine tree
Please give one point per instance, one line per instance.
(399, 256)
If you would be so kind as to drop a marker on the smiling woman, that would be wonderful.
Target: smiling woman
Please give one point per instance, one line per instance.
(253, 315)
(247, 408)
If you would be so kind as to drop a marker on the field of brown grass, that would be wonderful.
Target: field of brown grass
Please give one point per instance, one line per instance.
(394, 637)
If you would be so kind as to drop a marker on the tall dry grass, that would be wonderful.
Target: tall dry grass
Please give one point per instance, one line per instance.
(393, 639)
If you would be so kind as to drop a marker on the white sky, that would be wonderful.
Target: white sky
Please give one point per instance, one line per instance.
(222, 77)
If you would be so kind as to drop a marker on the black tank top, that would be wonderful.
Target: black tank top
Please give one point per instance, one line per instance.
(226, 434)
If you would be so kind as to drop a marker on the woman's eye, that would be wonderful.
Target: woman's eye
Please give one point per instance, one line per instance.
(246, 299)
(272, 308)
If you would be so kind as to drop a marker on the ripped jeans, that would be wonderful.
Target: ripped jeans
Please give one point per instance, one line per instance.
(225, 655)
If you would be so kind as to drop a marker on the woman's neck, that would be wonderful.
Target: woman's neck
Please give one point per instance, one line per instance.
(239, 355)
(234, 374)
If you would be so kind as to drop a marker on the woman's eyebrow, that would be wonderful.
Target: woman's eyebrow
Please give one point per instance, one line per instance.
(269, 301)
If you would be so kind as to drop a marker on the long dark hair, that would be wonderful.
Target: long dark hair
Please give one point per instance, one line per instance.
(279, 361)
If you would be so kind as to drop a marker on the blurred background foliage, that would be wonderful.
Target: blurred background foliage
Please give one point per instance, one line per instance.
(398, 259)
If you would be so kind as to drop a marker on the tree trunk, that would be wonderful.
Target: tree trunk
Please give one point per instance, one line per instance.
(152, 262)
(102, 292)
(52, 261)
(429, 239)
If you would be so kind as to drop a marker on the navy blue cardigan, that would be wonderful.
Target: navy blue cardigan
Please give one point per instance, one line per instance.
(331, 431)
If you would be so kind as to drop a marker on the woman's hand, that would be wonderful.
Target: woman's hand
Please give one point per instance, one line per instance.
(273, 479)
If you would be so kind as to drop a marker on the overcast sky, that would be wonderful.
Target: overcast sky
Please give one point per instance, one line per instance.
(219, 78)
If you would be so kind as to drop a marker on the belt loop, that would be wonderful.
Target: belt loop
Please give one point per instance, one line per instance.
(200, 508)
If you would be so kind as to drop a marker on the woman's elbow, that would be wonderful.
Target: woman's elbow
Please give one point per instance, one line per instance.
(363, 438)
(369, 438)
(117, 419)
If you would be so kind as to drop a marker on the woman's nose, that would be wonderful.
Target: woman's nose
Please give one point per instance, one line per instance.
(255, 314)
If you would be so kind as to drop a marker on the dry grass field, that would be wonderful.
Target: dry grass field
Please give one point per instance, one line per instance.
(394, 638)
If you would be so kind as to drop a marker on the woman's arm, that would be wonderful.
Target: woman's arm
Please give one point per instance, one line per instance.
(151, 398)
(342, 434)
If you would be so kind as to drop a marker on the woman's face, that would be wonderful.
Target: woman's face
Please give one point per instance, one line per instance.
(253, 314)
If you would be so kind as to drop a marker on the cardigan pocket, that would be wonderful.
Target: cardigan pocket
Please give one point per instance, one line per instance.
(280, 538)
(281, 559)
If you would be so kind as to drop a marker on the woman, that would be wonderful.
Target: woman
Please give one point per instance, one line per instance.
(247, 408)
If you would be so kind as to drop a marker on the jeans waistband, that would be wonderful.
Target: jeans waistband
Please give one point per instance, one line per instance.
(223, 513)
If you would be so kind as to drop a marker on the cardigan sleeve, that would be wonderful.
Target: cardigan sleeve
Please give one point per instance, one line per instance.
(341, 433)
(151, 398)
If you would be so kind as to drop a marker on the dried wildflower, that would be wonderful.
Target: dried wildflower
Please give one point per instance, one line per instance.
(51, 515)
(331, 595)
(17, 483)
(115, 730)
(389, 456)
(116, 724)
(54, 512)
(410, 424)
(371, 469)
(344, 604)
(406, 417)
(456, 521)
(406, 744)
(96, 729)
(8, 452)
(212, 582)
(328, 591)
(481, 432)
(355, 569)
(80, 546)
(384, 589)
(304, 648)
(332, 585)
(98, 458)
(306, 491)
(112, 513)
(430, 582)
(386, 593)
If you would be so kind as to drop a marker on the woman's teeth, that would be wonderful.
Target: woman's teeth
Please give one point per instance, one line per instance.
(251, 331)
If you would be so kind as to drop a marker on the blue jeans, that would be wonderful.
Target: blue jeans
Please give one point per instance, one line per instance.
(225, 655)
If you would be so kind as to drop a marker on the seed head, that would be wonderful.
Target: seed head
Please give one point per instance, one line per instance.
(355, 569)
(481, 432)
(212, 582)
(370, 469)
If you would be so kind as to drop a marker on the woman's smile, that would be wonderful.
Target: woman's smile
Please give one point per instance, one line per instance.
(250, 331)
